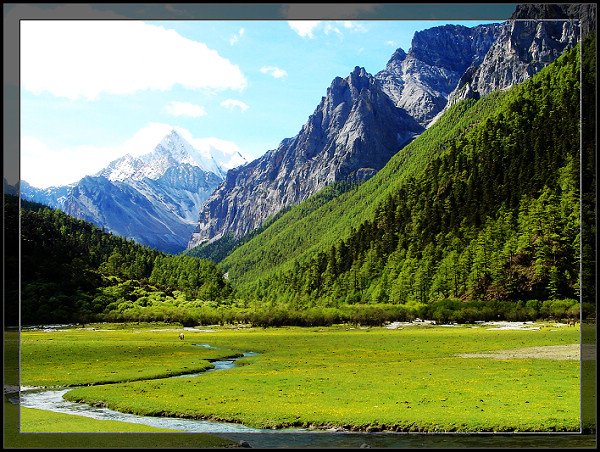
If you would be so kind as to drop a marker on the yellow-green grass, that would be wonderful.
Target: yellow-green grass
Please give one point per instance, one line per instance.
(39, 430)
(78, 356)
(413, 379)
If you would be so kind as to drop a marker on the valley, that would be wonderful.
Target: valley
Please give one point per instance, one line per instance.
(343, 377)
(418, 258)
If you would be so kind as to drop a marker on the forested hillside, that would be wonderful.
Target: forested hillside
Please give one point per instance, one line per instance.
(73, 271)
(477, 219)
(483, 207)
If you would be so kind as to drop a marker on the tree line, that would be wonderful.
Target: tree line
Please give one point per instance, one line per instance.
(73, 271)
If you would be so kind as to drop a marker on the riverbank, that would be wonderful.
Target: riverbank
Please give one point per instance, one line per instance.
(373, 379)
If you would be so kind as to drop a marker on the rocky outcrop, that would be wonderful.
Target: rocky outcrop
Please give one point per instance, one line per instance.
(353, 133)
(52, 196)
(421, 81)
(158, 213)
(585, 13)
(364, 120)
(522, 49)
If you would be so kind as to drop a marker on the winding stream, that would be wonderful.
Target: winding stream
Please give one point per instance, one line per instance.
(52, 400)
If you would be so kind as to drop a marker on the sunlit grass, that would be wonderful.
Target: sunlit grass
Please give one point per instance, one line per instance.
(80, 357)
(41, 429)
(371, 379)
(41, 421)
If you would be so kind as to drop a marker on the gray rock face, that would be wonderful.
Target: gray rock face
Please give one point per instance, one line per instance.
(522, 49)
(353, 133)
(52, 196)
(347, 135)
(585, 13)
(421, 81)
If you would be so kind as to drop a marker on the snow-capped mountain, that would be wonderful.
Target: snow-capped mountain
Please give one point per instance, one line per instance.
(153, 199)
(173, 150)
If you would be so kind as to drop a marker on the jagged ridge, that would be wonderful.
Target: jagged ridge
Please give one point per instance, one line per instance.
(352, 134)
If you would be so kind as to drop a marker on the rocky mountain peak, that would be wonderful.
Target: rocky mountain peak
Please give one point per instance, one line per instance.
(421, 80)
(345, 138)
(585, 13)
(523, 48)
(172, 151)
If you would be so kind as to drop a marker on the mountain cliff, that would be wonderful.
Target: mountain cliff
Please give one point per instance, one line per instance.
(421, 81)
(364, 120)
(352, 133)
(522, 49)
(461, 212)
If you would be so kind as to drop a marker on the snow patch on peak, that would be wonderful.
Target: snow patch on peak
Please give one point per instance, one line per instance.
(173, 150)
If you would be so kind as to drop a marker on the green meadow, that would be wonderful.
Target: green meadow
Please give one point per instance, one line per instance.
(414, 378)
(81, 357)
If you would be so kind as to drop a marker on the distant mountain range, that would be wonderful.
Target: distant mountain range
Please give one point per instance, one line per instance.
(153, 199)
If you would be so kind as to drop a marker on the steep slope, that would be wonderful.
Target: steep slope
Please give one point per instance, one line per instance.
(331, 215)
(72, 271)
(172, 151)
(352, 134)
(418, 83)
(52, 196)
(421, 81)
(523, 48)
(314, 227)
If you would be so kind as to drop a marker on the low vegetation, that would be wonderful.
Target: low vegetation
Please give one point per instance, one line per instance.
(413, 378)
(78, 356)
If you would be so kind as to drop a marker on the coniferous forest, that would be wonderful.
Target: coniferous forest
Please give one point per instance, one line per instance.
(489, 214)
(494, 217)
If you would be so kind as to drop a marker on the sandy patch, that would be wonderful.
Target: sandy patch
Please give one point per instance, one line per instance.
(573, 351)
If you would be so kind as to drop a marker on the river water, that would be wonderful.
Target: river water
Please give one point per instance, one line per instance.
(52, 400)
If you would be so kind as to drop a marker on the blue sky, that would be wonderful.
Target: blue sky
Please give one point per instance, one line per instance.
(92, 91)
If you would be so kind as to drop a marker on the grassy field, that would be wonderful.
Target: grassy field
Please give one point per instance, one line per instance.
(377, 379)
(41, 421)
(81, 356)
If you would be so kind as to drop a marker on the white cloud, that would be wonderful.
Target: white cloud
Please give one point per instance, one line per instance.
(308, 28)
(273, 71)
(224, 151)
(236, 37)
(185, 109)
(304, 27)
(44, 167)
(76, 59)
(231, 104)
(354, 26)
(329, 26)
